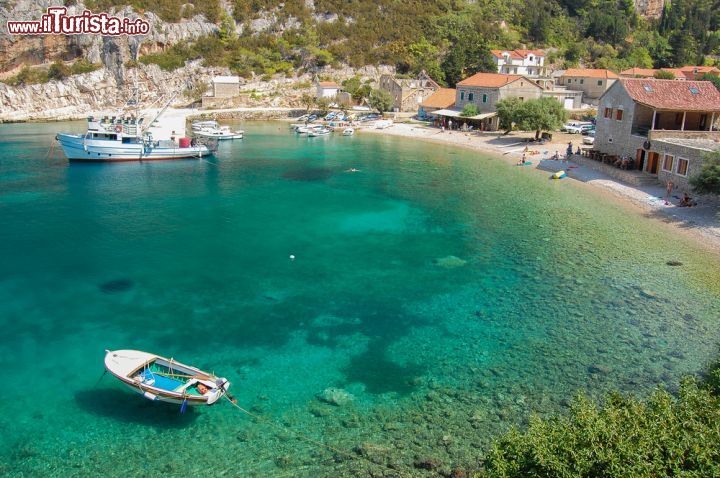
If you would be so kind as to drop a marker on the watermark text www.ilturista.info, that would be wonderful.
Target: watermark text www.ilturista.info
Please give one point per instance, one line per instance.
(57, 21)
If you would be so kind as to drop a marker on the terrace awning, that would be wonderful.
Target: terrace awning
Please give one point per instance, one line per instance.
(458, 114)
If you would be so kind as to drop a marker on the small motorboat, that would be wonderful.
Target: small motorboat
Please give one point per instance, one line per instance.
(348, 132)
(165, 380)
(319, 132)
(222, 133)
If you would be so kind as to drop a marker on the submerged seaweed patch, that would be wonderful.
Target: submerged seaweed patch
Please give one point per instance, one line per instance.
(115, 286)
(308, 174)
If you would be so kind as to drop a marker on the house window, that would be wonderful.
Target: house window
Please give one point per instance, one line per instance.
(608, 112)
(484, 98)
(599, 82)
(668, 163)
(619, 115)
(582, 80)
(682, 167)
(470, 96)
(462, 95)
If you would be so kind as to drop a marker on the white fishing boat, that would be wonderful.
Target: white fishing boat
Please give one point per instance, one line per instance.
(319, 132)
(127, 138)
(221, 133)
(166, 380)
(348, 131)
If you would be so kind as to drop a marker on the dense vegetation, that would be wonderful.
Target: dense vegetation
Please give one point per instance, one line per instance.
(707, 180)
(56, 71)
(447, 38)
(664, 435)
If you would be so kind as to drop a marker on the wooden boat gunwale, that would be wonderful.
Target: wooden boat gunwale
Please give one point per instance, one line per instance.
(172, 396)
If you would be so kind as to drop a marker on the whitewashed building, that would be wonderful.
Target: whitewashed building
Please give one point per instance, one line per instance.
(327, 89)
(529, 63)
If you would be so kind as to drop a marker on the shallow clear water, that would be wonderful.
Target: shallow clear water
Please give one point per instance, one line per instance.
(450, 294)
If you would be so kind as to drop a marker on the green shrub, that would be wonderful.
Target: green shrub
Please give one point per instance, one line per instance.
(707, 180)
(28, 76)
(83, 66)
(470, 109)
(664, 435)
(58, 71)
(169, 60)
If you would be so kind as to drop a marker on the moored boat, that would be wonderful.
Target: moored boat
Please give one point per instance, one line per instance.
(221, 133)
(166, 380)
(319, 132)
(348, 132)
(121, 139)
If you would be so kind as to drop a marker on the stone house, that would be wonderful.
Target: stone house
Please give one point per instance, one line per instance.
(327, 89)
(408, 93)
(484, 90)
(665, 125)
(226, 86)
(520, 62)
(592, 82)
(443, 98)
(225, 90)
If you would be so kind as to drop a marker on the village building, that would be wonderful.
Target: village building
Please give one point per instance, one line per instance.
(520, 62)
(224, 89)
(664, 126)
(683, 73)
(484, 90)
(443, 98)
(570, 99)
(327, 89)
(408, 93)
(592, 82)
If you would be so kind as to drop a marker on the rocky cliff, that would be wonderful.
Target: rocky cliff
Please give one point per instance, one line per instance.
(650, 8)
(99, 90)
(110, 51)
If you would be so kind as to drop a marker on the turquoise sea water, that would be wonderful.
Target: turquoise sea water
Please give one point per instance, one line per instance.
(449, 294)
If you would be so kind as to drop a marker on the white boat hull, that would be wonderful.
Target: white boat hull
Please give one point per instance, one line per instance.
(220, 136)
(78, 148)
(133, 368)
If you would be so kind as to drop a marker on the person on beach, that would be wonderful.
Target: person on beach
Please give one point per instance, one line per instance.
(686, 201)
(556, 156)
(668, 191)
(569, 150)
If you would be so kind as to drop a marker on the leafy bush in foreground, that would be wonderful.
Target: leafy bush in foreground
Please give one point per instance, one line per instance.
(625, 437)
(707, 180)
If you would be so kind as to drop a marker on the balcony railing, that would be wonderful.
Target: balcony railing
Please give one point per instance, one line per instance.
(646, 132)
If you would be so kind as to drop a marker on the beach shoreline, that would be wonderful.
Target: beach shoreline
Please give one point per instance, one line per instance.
(701, 224)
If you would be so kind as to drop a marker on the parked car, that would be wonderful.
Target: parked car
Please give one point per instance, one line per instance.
(588, 131)
(589, 138)
(574, 124)
(579, 129)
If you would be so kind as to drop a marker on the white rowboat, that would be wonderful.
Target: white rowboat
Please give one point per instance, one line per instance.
(165, 380)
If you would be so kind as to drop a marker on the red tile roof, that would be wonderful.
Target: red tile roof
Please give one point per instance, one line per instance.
(693, 72)
(517, 54)
(491, 80)
(673, 94)
(646, 72)
(442, 98)
(590, 73)
(328, 84)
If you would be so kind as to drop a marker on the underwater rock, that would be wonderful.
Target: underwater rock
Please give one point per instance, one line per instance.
(648, 294)
(597, 369)
(117, 285)
(674, 263)
(427, 463)
(335, 396)
(459, 473)
(449, 262)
